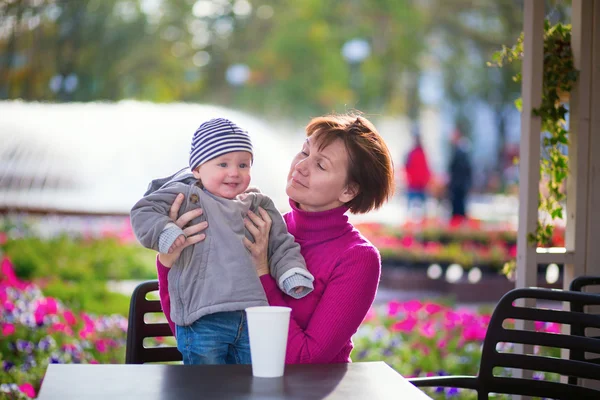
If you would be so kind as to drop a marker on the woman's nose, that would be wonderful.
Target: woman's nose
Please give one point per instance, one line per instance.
(301, 166)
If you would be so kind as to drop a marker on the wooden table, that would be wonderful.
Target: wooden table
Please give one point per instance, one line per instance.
(364, 381)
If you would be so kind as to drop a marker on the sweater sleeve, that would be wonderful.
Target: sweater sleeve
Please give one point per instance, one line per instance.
(163, 292)
(150, 215)
(286, 262)
(347, 297)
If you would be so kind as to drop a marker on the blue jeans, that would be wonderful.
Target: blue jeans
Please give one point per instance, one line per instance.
(219, 338)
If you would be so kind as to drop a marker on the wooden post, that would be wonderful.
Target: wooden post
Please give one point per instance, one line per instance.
(579, 137)
(592, 259)
(529, 155)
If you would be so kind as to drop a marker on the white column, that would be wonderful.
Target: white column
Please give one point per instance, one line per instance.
(529, 156)
(579, 137)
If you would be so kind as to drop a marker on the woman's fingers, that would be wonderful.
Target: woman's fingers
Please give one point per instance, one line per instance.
(251, 227)
(188, 216)
(265, 217)
(196, 228)
(256, 219)
(174, 210)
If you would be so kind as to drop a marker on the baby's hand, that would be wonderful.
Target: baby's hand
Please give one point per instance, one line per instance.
(177, 243)
(300, 289)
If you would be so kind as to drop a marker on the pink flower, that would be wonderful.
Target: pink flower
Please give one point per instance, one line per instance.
(442, 343)
(28, 389)
(407, 241)
(58, 327)
(69, 317)
(393, 308)
(3, 237)
(451, 319)
(428, 330)
(412, 305)
(101, 346)
(406, 325)
(8, 329)
(93, 362)
(6, 269)
(432, 308)
(553, 327)
(8, 306)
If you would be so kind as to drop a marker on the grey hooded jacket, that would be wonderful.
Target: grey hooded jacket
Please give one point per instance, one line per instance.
(216, 274)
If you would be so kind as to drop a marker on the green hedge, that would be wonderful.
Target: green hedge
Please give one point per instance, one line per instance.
(75, 270)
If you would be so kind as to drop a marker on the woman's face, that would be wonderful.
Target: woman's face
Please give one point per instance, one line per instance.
(317, 180)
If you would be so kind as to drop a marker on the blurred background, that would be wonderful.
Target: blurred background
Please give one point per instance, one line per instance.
(143, 74)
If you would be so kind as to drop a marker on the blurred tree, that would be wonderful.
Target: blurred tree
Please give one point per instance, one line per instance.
(173, 50)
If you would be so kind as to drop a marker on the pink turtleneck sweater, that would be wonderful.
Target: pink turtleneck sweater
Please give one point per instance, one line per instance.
(346, 267)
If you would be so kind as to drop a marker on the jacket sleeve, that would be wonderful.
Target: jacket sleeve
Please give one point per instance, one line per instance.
(150, 215)
(285, 259)
(348, 295)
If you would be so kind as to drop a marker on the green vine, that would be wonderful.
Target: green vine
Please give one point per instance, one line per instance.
(559, 76)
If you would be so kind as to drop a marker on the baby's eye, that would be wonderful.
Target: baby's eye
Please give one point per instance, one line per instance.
(223, 164)
(243, 165)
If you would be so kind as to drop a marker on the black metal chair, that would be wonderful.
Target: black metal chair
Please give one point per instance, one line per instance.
(589, 284)
(489, 381)
(138, 329)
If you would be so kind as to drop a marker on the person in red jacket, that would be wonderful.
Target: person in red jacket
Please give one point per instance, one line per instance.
(417, 174)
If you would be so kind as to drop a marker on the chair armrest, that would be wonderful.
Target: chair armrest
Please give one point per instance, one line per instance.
(457, 381)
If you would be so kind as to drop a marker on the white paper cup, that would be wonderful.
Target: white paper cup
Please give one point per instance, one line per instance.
(268, 332)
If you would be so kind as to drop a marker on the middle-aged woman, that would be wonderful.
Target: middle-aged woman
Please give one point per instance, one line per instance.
(344, 165)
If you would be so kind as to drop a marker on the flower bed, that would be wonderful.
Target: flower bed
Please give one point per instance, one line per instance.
(470, 243)
(38, 330)
(425, 338)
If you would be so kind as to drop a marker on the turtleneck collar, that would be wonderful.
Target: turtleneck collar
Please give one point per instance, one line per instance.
(320, 225)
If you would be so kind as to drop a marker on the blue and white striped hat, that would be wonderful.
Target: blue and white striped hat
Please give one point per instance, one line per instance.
(216, 137)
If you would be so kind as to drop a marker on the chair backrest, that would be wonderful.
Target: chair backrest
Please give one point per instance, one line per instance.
(589, 284)
(500, 334)
(138, 329)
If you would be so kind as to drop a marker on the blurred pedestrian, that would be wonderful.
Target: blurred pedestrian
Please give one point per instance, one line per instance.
(418, 174)
(460, 176)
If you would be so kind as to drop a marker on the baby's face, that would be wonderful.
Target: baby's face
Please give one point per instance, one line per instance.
(227, 175)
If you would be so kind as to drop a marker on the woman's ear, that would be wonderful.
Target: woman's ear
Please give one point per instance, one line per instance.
(349, 193)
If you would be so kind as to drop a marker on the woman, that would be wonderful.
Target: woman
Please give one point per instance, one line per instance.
(344, 165)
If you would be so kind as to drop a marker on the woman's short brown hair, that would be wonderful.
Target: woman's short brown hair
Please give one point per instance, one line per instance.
(369, 159)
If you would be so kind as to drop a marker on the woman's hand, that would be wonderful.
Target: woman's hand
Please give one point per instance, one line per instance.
(259, 226)
(192, 232)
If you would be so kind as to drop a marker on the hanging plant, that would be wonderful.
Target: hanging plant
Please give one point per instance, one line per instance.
(559, 76)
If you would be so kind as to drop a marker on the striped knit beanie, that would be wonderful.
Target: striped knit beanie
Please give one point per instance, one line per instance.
(216, 137)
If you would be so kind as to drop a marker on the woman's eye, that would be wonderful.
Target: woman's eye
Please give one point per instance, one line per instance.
(304, 153)
(320, 166)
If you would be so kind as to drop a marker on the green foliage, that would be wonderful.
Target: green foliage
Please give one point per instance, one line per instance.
(75, 270)
(77, 259)
(90, 296)
(559, 76)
